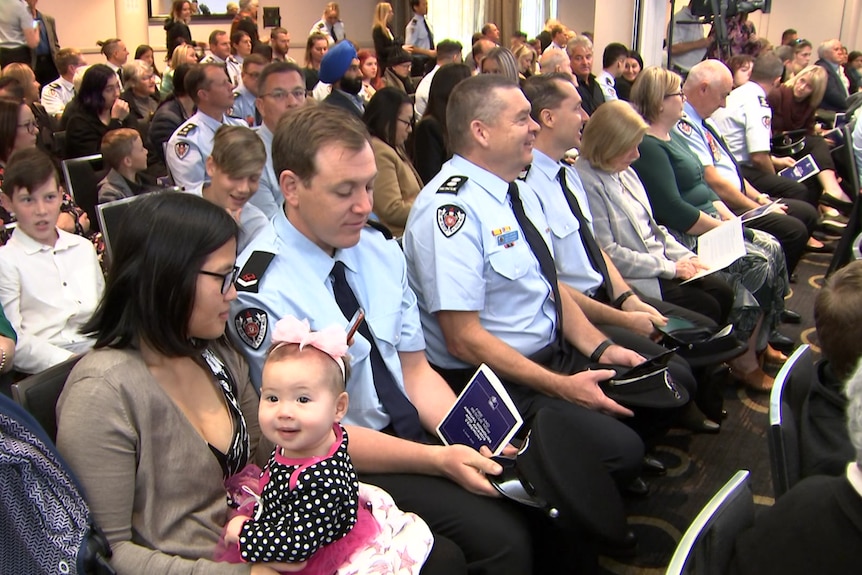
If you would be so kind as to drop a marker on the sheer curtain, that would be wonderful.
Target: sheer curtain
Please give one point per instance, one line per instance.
(456, 19)
(534, 13)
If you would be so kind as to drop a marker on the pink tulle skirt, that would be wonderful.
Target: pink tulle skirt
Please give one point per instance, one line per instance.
(327, 559)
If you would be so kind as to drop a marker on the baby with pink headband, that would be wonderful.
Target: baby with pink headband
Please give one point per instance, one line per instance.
(307, 509)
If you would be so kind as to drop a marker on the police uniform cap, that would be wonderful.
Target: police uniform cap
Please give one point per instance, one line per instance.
(336, 61)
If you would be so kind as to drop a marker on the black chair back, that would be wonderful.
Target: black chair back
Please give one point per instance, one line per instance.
(109, 216)
(38, 394)
(792, 386)
(82, 176)
(706, 546)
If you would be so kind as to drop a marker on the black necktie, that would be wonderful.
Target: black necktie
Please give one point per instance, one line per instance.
(430, 35)
(720, 142)
(539, 249)
(405, 418)
(594, 252)
(332, 33)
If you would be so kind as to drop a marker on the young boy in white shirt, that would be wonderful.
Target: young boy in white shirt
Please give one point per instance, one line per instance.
(50, 280)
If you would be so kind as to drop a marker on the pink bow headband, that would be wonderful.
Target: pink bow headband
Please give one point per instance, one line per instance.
(330, 340)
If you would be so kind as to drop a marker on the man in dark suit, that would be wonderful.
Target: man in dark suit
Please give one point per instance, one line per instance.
(580, 51)
(44, 54)
(340, 67)
(836, 95)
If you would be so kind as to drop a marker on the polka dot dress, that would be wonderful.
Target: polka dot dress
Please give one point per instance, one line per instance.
(305, 504)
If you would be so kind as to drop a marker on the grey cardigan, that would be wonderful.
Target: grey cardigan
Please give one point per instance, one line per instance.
(150, 479)
(614, 223)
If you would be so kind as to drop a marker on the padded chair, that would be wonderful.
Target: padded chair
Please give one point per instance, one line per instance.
(109, 216)
(82, 177)
(845, 160)
(706, 546)
(792, 386)
(39, 393)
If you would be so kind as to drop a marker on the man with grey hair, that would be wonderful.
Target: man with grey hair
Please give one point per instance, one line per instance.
(480, 260)
(555, 60)
(816, 527)
(580, 51)
(835, 97)
(706, 89)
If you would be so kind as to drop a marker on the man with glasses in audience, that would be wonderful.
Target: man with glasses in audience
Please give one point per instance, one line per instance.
(245, 95)
(281, 88)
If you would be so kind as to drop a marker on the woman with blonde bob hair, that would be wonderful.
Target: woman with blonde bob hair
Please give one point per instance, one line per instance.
(501, 61)
(183, 54)
(683, 202)
(649, 258)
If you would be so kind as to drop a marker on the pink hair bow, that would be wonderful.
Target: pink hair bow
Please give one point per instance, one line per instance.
(330, 340)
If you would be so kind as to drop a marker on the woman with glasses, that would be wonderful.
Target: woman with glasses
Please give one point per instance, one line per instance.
(234, 168)
(389, 117)
(98, 111)
(162, 411)
(684, 203)
(26, 79)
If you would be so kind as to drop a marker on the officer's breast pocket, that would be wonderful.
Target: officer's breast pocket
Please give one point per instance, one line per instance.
(512, 262)
(386, 327)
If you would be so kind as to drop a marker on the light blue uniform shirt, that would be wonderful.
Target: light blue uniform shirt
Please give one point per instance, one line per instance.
(268, 196)
(704, 145)
(189, 147)
(416, 34)
(484, 265)
(570, 254)
(243, 106)
(297, 283)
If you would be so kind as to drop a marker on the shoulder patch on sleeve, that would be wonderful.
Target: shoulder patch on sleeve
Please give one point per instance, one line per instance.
(387, 233)
(251, 273)
(452, 185)
(187, 129)
(684, 127)
(450, 219)
(764, 103)
(251, 325)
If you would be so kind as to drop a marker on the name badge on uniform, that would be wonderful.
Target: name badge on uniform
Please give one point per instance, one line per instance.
(506, 236)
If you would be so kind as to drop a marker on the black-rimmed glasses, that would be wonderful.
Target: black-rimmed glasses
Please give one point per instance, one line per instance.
(227, 279)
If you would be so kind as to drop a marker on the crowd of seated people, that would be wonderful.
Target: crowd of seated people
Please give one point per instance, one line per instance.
(291, 152)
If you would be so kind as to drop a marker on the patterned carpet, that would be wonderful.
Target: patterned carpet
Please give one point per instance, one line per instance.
(698, 465)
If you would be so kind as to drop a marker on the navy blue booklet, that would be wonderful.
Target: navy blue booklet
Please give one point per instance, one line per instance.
(483, 414)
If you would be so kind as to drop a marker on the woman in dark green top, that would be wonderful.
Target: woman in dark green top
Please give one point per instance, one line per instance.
(682, 201)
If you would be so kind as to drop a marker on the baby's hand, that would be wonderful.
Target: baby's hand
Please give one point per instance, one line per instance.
(234, 527)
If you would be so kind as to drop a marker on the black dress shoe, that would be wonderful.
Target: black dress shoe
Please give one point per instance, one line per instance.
(637, 488)
(653, 466)
(781, 342)
(627, 547)
(790, 316)
(833, 202)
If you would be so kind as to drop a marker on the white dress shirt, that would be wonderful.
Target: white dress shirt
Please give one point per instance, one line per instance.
(48, 293)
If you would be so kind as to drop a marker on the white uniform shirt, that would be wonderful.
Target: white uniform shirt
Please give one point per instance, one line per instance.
(422, 92)
(322, 27)
(190, 146)
(607, 83)
(48, 293)
(687, 33)
(416, 33)
(56, 95)
(745, 122)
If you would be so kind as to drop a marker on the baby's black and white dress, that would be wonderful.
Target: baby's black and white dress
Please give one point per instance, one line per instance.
(305, 504)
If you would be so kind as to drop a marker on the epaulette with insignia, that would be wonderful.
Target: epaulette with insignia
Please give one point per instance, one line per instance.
(251, 273)
(764, 103)
(387, 233)
(452, 185)
(186, 130)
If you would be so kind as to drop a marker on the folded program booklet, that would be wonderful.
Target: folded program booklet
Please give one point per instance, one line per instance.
(483, 414)
(801, 170)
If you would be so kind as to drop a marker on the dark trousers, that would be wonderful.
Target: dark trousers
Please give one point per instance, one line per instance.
(493, 534)
(778, 186)
(792, 229)
(45, 70)
(694, 314)
(709, 295)
(20, 55)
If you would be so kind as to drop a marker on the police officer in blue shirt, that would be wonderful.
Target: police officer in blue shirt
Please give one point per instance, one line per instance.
(475, 260)
(192, 143)
(597, 287)
(706, 88)
(319, 247)
(246, 93)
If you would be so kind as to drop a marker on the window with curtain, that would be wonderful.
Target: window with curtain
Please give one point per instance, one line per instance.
(534, 13)
(456, 19)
